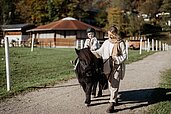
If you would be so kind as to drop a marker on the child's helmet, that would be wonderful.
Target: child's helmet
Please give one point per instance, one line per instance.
(90, 30)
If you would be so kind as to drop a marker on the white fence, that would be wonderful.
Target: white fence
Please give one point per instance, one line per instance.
(80, 44)
(147, 45)
(144, 44)
(154, 45)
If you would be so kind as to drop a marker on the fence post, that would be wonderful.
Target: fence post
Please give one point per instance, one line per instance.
(145, 45)
(77, 43)
(160, 45)
(156, 45)
(163, 47)
(32, 42)
(140, 46)
(152, 44)
(82, 44)
(148, 45)
(7, 59)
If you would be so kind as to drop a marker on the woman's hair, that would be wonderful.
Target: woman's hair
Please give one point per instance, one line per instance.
(113, 29)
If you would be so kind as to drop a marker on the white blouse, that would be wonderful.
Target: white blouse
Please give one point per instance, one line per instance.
(105, 51)
(92, 43)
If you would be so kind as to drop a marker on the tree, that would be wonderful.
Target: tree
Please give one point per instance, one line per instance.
(34, 11)
(165, 9)
(1, 14)
(8, 9)
(166, 6)
(150, 7)
(45, 11)
(135, 23)
(118, 15)
(114, 17)
(39, 11)
(24, 11)
(101, 18)
(50, 9)
(72, 8)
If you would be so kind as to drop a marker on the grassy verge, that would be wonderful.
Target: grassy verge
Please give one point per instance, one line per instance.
(41, 67)
(133, 55)
(163, 106)
(38, 68)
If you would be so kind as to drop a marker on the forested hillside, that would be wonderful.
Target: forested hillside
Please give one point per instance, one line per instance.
(126, 14)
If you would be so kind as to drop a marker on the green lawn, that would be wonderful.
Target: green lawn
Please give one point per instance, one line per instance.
(164, 96)
(42, 67)
(133, 55)
(38, 68)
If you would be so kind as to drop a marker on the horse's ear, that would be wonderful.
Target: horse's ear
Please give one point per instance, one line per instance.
(77, 51)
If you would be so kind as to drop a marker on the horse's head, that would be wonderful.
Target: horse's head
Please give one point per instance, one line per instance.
(86, 62)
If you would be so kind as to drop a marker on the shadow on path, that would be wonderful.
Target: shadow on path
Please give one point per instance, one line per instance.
(151, 96)
(44, 87)
(131, 99)
(138, 98)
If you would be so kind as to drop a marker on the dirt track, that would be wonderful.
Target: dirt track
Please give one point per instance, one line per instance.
(141, 79)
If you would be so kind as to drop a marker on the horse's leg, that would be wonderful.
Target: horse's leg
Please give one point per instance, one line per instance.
(94, 87)
(86, 88)
(100, 89)
(88, 94)
(83, 86)
(103, 84)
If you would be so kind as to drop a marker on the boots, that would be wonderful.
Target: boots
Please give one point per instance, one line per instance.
(110, 108)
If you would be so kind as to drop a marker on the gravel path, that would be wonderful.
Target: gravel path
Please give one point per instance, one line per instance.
(141, 79)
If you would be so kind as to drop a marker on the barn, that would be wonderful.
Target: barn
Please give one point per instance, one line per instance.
(67, 32)
(16, 33)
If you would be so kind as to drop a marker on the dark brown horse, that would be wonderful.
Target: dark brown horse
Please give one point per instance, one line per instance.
(89, 71)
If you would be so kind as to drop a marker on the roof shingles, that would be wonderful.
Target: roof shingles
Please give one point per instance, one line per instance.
(65, 24)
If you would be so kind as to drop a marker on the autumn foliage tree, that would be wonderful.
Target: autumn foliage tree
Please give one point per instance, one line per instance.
(1, 14)
(166, 6)
(7, 11)
(45, 11)
(126, 14)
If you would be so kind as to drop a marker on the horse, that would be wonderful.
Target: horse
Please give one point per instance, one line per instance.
(89, 71)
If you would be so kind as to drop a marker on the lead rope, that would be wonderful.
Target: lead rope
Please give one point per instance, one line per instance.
(106, 60)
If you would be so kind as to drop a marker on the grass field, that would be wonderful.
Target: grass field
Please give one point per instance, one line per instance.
(164, 94)
(42, 67)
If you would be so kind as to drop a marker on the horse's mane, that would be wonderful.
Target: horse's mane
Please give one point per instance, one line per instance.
(88, 62)
(87, 55)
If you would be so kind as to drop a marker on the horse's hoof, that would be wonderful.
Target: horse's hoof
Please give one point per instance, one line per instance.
(87, 105)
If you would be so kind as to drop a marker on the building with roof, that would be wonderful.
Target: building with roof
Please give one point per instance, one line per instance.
(16, 33)
(65, 32)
